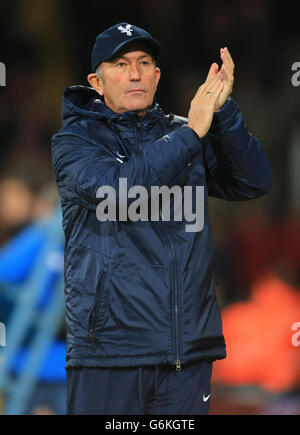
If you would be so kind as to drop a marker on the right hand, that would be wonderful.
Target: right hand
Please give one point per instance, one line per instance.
(203, 104)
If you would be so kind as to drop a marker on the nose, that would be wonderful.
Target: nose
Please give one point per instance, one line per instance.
(134, 73)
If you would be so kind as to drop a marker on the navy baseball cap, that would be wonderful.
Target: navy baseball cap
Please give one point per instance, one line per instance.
(109, 42)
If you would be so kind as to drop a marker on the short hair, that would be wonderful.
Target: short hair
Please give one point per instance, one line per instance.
(99, 72)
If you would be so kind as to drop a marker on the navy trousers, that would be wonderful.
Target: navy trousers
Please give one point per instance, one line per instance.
(159, 390)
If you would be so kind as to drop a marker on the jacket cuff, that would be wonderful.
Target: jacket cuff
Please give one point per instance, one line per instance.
(223, 119)
(190, 137)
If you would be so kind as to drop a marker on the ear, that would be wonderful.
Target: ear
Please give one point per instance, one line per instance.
(158, 75)
(96, 83)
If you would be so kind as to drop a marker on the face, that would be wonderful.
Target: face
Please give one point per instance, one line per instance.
(129, 81)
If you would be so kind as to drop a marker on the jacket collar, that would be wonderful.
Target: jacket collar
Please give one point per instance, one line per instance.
(82, 101)
(153, 113)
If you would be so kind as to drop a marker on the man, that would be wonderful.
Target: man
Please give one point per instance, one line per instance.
(143, 322)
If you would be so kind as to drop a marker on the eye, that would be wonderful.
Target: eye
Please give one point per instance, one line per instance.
(121, 64)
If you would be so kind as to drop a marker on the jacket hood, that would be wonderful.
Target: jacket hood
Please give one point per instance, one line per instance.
(83, 101)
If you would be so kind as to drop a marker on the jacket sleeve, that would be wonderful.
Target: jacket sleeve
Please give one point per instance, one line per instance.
(236, 166)
(81, 166)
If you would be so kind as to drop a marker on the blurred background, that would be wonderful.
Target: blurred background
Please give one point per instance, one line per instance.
(46, 46)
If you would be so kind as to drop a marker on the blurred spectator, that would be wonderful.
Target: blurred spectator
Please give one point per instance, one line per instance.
(259, 338)
(16, 199)
(21, 204)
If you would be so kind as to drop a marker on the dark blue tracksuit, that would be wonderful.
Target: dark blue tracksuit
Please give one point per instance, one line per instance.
(157, 390)
(142, 293)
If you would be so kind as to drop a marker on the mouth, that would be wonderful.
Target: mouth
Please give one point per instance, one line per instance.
(135, 90)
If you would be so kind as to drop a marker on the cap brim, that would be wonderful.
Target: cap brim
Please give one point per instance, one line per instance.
(154, 46)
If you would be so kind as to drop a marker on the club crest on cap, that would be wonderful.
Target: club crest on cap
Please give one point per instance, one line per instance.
(128, 30)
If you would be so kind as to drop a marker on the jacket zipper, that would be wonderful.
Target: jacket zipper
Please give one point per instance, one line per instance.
(139, 129)
(97, 301)
(176, 305)
(174, 281)
(93, 336)
(174, 284)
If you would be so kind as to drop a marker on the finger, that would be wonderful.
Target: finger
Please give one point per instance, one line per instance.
(212, 71)
(208, 85)
(222, 75)
(212, 85)
(213, 91)
(229, 55)
(228, 70)
(228, 73)
(218, 91)
(226, 57)
(213, 79)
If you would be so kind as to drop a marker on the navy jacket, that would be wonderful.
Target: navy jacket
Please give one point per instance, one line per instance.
(141, 293)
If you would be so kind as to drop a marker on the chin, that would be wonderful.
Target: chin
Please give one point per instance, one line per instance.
(138, 105)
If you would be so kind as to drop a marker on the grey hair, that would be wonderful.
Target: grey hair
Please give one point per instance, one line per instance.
(99, 72)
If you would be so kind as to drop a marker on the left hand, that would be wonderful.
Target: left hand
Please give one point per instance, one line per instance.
(226, 75)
